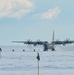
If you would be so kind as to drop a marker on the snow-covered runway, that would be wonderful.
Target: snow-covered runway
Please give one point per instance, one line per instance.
(25, 63)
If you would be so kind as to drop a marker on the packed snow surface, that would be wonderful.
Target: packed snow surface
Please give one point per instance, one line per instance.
(19, 62)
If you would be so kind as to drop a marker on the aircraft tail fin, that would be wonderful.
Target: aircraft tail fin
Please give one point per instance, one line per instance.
(53, 37)
(53, 45)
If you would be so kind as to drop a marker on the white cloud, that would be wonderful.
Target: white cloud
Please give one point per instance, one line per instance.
(15, 8)
(51, 13)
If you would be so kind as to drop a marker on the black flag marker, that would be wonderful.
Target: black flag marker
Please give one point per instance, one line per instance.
(38, 57)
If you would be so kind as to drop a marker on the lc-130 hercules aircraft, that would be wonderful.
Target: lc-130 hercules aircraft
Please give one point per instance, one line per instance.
(45, 44)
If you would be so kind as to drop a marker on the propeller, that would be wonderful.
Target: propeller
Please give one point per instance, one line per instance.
(29, 41)
(67, 40)
(57, 41)
(39, 42)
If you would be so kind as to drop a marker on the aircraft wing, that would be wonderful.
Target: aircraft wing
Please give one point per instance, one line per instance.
(18, 41)
(62, 42)
(24, 42)
(30, 42)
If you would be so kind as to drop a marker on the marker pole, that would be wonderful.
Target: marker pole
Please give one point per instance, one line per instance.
(38, 59)
(0, 54)
(38, 67)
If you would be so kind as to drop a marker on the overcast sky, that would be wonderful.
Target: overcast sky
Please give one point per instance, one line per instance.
(36, 19)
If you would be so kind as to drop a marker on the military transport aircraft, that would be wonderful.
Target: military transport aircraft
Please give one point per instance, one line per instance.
(46, 44)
